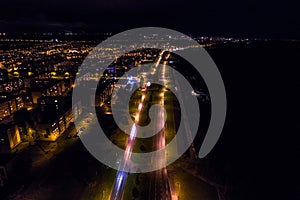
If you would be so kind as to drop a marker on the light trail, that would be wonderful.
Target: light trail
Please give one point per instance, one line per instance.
(119, 185)
(163, 188)
(133, 132)
(140, 107)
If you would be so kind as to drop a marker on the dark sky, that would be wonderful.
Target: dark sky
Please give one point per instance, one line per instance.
(213, 17)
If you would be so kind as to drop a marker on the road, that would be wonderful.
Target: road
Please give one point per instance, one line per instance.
(160, 184)
(159, 179)
(160, 187)
(121, 178)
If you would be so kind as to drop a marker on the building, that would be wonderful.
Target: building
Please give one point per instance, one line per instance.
(10, 105)
(51, 106)
(9, 137)
(103, 92)
(95, 94)
(47, 87)
(14, 86)
(12, 95)
(50, 131)
(53, 129)
(55, 116)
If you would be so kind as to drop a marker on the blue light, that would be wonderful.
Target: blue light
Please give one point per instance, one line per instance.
(120, 178)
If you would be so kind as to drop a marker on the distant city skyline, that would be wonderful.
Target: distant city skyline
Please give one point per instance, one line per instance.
(231, 18)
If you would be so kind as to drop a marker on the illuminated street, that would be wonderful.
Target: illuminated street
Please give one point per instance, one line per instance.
(120, 182)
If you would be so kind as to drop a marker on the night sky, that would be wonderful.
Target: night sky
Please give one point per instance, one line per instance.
(213, 17)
